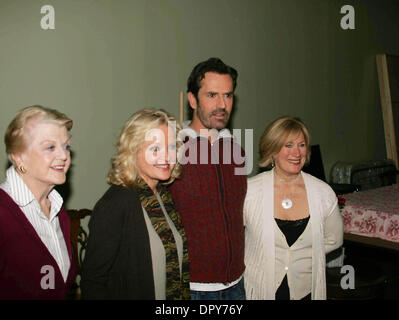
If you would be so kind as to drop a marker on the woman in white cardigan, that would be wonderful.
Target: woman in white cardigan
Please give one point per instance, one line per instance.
(291, 219)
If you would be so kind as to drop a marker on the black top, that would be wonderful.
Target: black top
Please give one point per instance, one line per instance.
(117, 262)
(292, 229)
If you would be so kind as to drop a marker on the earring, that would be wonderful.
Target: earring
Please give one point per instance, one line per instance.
(22, 169)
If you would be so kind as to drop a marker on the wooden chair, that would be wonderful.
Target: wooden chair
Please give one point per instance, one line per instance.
(78, 236)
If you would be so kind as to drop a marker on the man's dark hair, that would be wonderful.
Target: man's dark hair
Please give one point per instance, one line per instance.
(211, 65)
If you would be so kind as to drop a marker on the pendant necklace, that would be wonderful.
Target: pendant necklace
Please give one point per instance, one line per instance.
(287, 202)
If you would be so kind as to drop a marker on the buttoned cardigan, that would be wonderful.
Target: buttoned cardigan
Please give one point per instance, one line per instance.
(327, 234)
(28, 271)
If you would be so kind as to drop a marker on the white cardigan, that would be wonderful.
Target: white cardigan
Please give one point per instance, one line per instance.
(327, 234)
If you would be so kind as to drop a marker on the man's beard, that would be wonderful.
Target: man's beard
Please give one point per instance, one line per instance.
(217, 123)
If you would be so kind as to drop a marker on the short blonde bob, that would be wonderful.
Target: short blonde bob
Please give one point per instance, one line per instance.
(124, 171)
(278, 133)
(15, 137)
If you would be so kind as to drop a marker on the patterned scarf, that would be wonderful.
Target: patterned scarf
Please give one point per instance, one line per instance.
(176, 288)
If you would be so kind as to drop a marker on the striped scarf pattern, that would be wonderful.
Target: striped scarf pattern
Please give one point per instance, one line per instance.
(177, 287)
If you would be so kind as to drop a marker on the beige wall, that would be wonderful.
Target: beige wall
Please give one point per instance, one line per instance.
(108, 58)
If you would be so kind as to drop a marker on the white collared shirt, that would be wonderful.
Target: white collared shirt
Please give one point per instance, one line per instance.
(48, 229)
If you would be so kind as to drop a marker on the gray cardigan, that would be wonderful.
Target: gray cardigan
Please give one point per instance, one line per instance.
(117, 262)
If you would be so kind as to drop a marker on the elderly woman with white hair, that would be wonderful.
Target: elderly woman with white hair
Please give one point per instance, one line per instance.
(137, 247)
(36, 259)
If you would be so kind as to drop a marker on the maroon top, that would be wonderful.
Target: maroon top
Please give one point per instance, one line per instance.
(210, 199)
(24, 257)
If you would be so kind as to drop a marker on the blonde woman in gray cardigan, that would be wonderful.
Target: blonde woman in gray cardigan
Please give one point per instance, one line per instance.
(291, 219)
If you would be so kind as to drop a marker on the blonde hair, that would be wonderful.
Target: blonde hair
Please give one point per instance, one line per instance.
(124, 170)
(277, 134)
(15, 137)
